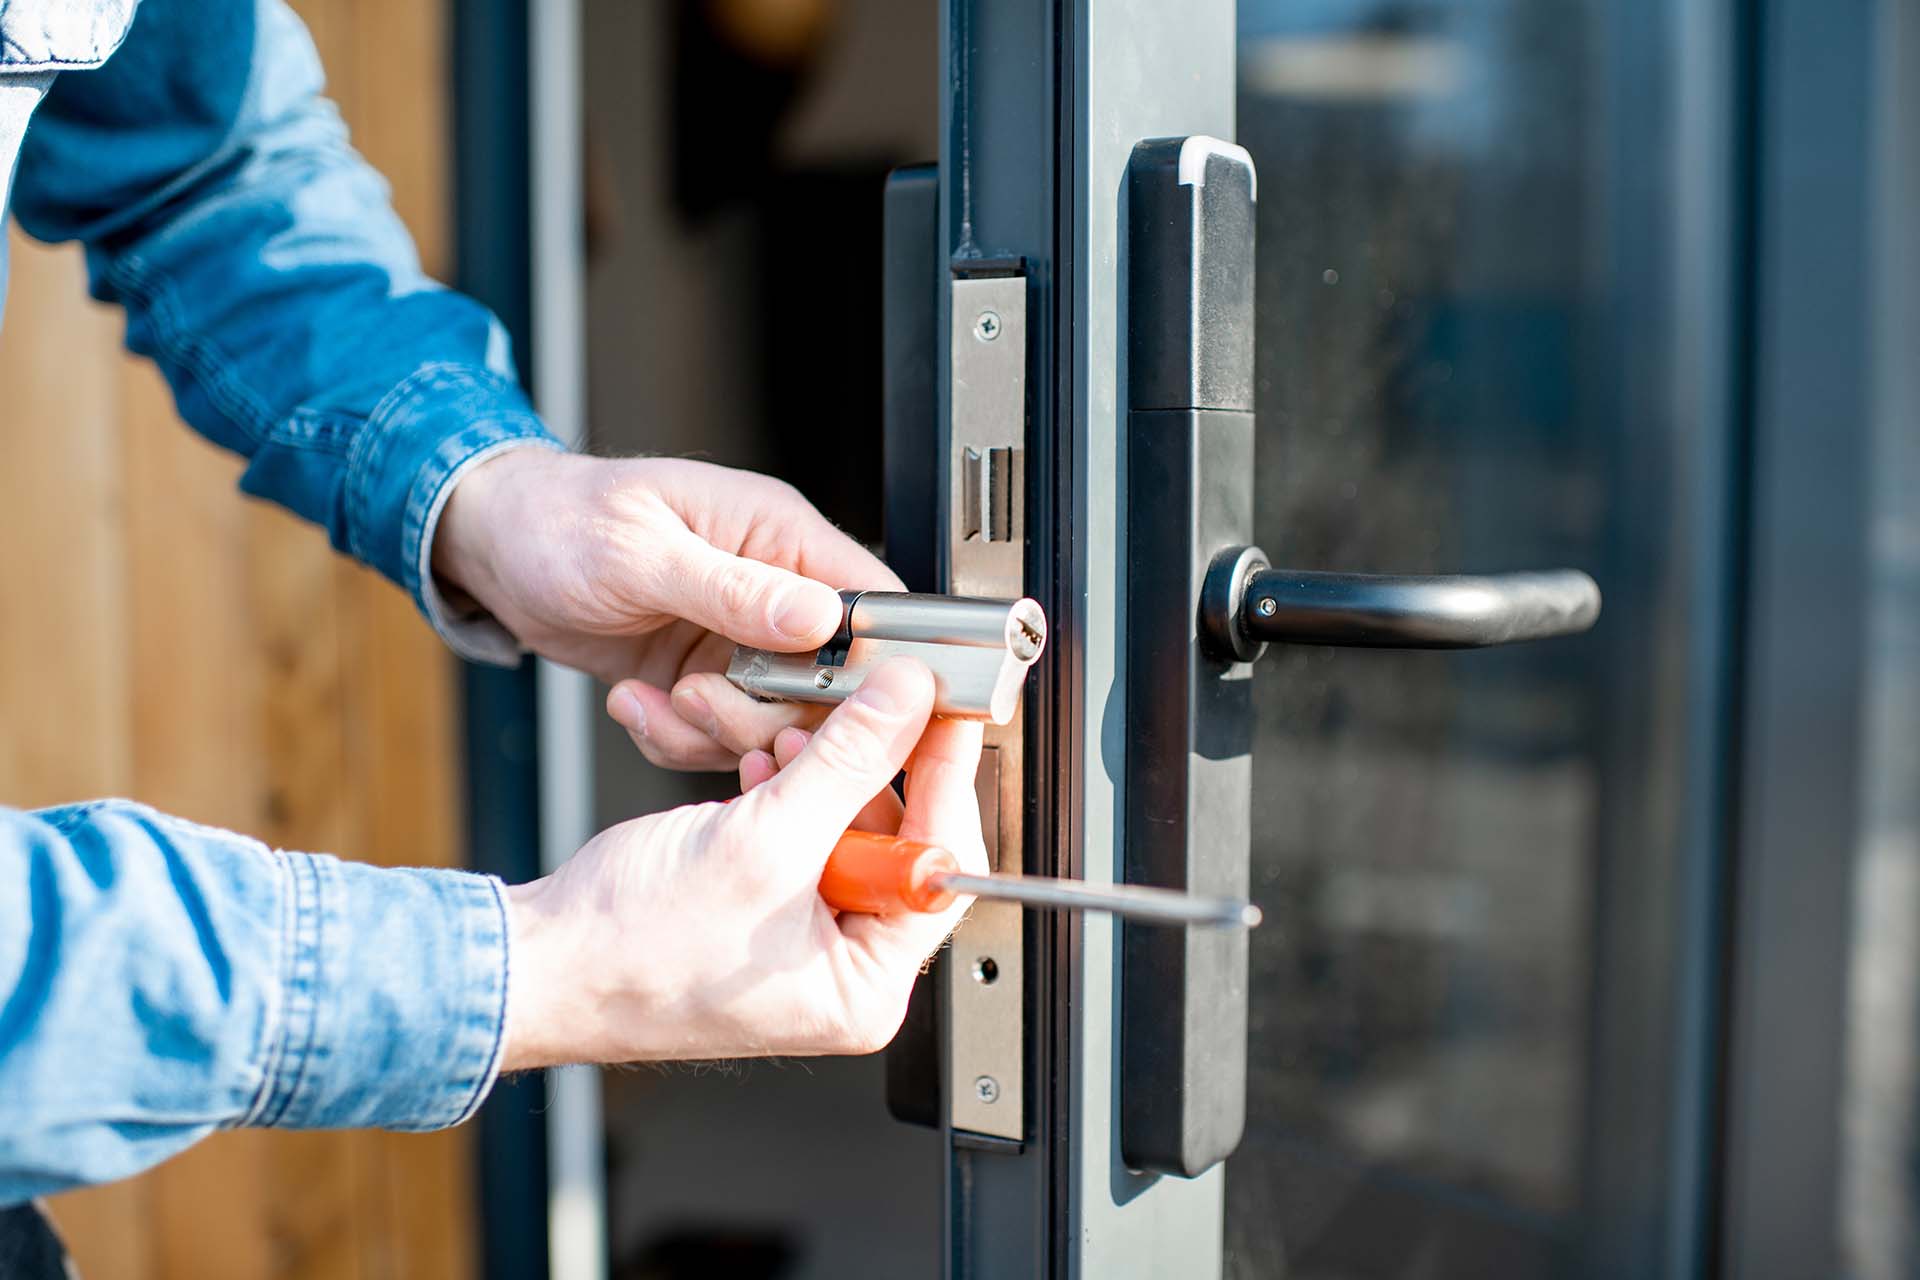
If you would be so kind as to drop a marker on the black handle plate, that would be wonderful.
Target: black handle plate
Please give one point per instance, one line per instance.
(1188, 774)
(1202, 604)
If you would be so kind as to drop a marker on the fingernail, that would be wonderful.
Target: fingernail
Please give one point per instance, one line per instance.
(804, 610)
(790, 742)
(694, 710)
(756, 767)
(628, 711)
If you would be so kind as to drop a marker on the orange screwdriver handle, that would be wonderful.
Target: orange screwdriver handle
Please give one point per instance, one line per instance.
(881, 875)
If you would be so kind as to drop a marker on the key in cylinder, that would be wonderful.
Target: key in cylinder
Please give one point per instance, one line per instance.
(978, 650)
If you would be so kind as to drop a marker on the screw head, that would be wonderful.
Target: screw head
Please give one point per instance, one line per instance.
(987, 326)
(1265, 607)
(822, 679)
(987, 1089)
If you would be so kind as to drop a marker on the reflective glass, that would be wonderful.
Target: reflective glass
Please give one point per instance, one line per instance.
(1878, 1196)
(1475, 866)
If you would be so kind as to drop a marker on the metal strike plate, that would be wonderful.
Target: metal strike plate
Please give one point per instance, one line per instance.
(985, 968)
(978, 650)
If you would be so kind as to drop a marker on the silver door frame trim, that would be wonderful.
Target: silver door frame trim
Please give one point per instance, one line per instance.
(576, 1190)
(1122, 1223)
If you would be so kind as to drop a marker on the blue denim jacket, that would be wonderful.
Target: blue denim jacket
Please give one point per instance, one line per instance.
(158, 979)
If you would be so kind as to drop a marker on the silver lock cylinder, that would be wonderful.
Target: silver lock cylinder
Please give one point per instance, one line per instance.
(978, 650)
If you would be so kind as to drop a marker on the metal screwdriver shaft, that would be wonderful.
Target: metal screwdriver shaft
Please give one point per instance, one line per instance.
(878, 874)
(1134, 901)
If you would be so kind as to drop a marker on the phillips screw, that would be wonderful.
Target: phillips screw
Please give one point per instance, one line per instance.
(987, 327)
(987, 1089)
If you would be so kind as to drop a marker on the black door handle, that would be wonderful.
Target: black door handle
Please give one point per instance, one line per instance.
(1246, 604)
(1202, 604)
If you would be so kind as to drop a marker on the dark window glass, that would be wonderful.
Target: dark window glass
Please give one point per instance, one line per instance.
(1468, 1030)
(1877, 1198)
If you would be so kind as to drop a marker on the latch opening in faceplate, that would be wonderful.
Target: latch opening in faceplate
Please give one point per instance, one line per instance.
(989, 480)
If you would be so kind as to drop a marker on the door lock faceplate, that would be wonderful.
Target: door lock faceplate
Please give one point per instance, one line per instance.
(983, 977)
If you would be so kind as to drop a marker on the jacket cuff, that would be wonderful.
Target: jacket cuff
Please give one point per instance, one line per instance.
(420, 435)
(392, 997)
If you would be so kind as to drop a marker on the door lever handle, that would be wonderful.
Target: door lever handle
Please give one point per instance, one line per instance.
(1245, 604)
(1202, 603)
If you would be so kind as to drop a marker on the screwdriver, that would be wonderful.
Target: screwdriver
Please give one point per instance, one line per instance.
(876, 874)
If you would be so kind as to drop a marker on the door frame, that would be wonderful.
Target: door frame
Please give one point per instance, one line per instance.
(516, 76)
(1044, 103)
(1813, 74)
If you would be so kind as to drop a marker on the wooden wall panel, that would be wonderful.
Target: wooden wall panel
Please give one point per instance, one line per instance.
(64, 657)
(198, 740)
(162, 637)
(63, 662)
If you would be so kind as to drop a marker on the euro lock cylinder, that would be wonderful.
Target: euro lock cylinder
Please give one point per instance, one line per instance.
(978, 650)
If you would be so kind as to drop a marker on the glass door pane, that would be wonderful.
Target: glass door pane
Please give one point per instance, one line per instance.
(1478, 869)
(1877, 1199)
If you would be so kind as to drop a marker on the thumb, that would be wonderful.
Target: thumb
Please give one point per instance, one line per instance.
(943, 800)
(851, 758)
(748, 602)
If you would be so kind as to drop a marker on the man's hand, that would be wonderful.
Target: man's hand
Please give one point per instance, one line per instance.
(700, 932)
(646, 572)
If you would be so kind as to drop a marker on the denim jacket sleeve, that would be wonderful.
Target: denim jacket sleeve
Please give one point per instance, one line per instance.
(159, 980)
(262, 267)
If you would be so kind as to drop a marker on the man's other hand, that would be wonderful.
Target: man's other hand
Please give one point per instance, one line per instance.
(700, 932)
(645, 572)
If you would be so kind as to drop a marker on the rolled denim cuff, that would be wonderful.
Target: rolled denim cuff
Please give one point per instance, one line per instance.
(476, 636)
(393, 992)
(418, 438)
